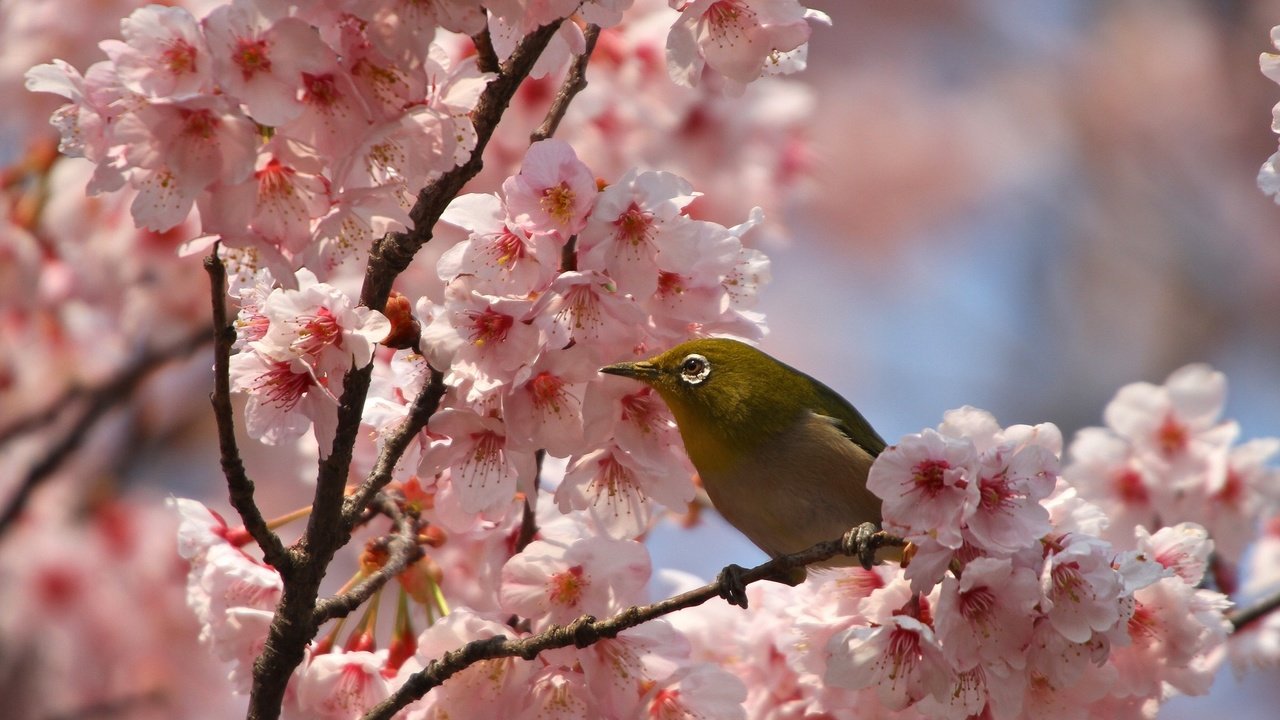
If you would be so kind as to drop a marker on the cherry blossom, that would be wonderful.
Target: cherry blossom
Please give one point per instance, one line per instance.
(553, 192)
(342, 684)
(734, 38)
(591, 576)
(163, 54)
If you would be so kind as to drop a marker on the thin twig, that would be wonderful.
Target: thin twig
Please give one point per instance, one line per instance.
(587, 630)
(239, 487)
(575, 81)
(1243, 616)
(402, 548)
(529, 518)
(100, 400)
(420, 412)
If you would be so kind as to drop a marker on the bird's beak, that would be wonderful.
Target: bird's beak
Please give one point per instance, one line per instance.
(644, 371)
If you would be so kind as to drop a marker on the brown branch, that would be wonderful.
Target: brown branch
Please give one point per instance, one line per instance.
(420, 411)
(294, 623)
(1241, 617)
(50, 413)
(240, 488)
(587, 630)
(402, 548)
(486, 57)
(575, 81)
(100, 400)
(528, 518)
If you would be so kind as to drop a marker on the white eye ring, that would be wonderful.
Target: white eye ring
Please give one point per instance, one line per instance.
(694, 369)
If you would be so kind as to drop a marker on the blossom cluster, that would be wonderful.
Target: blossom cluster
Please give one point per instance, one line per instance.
(1011, 603)
(1269, 174)
(302, 132)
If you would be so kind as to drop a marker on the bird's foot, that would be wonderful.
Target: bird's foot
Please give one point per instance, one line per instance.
(862, 542)
(732, 588)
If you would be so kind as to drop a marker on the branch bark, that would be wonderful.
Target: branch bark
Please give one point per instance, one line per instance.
(1242, 617)
(575, 81)
(239, 487)
(587, 630)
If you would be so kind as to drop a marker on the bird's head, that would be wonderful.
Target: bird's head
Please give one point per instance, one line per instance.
(723, 390)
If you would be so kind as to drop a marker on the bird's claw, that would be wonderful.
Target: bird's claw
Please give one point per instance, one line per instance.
(732, 587)
(862, 542)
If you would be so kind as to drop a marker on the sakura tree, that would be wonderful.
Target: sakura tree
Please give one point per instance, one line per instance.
(401, 239)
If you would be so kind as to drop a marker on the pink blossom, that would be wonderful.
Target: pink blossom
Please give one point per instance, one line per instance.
(621, 669)
(487, 464)
(557, 693)
(342, 685)
(734, 38)
(284, 400)
(234, 599)
(553, 192)
(163, 54)
(586, 308)
(591, 576)
(1006, 513)
(260, 60)
(626, 230)
(698, 691)
(318, 327)
(285, 194)
(500, 253)
(483, 339)
(985, 616)
(1176, 425)
(1183, 549)
(176, 150)
(609, 485)
(546, 409)
(926, 483)
(1081, 590)
(1173, 632)
(900, 659)
(356, 218)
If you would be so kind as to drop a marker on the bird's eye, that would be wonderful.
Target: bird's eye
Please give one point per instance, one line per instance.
(694, 369)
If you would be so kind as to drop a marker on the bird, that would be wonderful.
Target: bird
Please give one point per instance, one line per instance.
(783, 458)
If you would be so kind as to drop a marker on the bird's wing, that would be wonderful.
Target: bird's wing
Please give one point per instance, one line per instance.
(858, 430)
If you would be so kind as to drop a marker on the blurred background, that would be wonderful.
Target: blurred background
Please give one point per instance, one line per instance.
(1019, 206)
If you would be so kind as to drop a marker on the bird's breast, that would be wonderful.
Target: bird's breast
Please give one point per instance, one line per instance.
(803, 486)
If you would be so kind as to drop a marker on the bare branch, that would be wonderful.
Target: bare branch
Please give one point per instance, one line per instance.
(402, 548)
(1241, 617)
(423, 407)
(99, 401)
(575, 81)
(239, 487)
(587, 630)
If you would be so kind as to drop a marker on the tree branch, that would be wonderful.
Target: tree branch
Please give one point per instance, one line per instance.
(575, 81)
(293, 625)
(240, 488)
(486, 56)
(420, 411)
(1241, 617)
(587, 630)
(100, 400)
(402, 548)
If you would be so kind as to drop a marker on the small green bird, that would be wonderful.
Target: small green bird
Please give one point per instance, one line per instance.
(783, 457)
